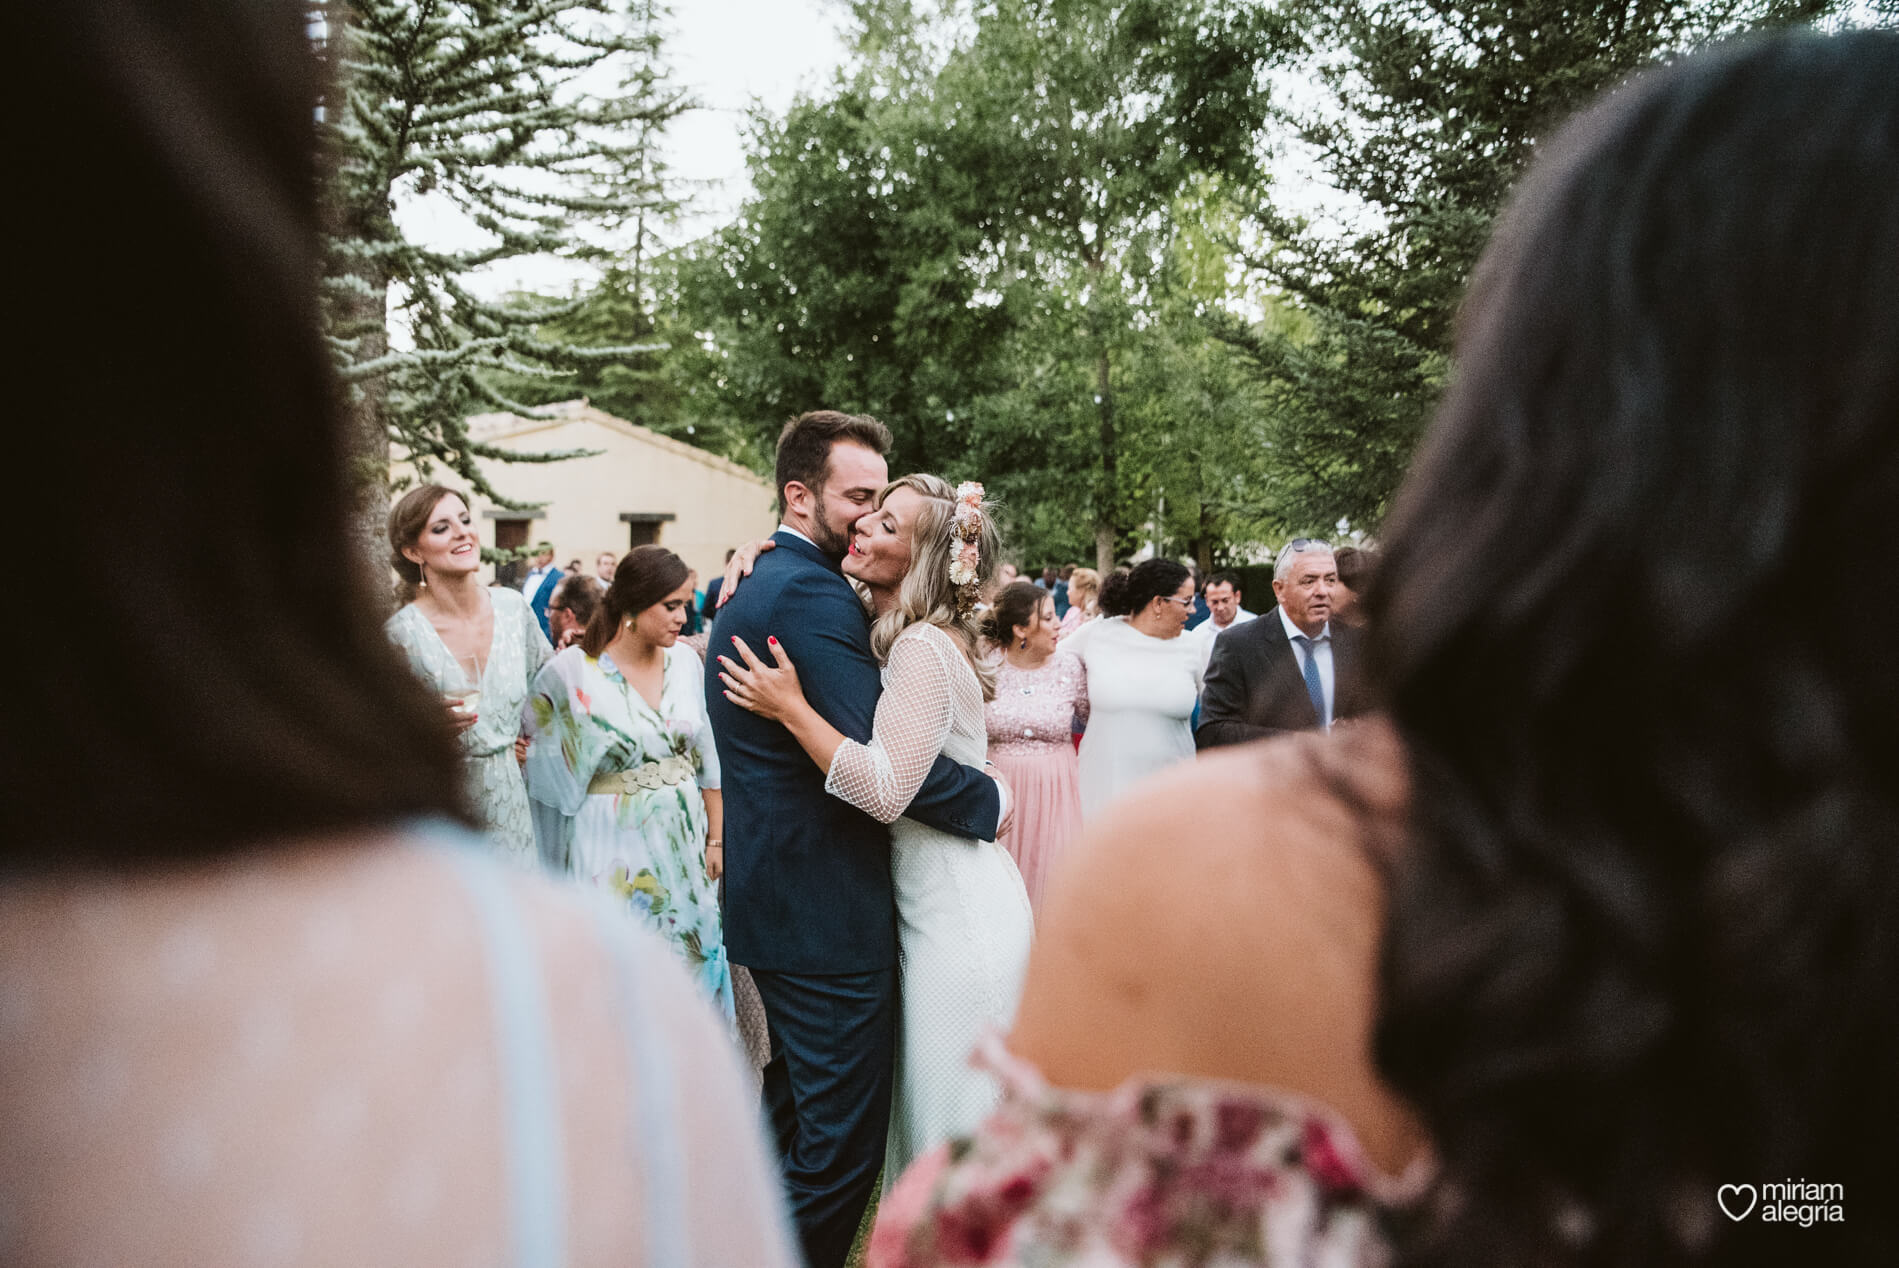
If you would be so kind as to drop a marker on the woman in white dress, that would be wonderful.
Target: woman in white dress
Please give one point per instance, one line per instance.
(963, 918)
(1143, 680)
(476, 646)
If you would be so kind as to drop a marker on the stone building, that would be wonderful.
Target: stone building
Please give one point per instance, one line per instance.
(640, 488)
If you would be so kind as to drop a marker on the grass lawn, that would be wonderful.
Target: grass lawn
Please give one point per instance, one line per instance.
(856, 1257)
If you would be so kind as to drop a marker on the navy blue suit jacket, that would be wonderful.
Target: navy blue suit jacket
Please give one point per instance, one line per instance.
(807, 875)
(543, 595)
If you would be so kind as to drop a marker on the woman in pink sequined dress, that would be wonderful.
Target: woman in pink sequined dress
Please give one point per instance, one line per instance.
(1039, 694)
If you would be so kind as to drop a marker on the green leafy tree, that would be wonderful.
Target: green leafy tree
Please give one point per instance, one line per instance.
(666, 380)
(1201, 440)
(964, 238)
(1078, 125)
(842, 283)
(1424, 114)
(484, 107)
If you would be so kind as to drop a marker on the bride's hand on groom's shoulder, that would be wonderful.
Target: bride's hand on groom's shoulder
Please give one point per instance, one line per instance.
(769, 690)
(740, 565)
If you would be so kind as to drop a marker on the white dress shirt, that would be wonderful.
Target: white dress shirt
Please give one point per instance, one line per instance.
(1214, 629)
(1321, 648)
(532, 582)
(1206, 632)
(786, 528)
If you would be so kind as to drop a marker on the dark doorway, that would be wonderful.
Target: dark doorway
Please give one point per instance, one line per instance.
(511, 534)
(642, 527)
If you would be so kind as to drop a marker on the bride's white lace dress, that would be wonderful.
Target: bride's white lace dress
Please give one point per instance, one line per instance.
(963, 919)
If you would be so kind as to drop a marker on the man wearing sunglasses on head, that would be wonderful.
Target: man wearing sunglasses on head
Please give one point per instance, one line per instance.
(1290, 670)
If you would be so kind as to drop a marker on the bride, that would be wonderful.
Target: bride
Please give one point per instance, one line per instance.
(963, 924)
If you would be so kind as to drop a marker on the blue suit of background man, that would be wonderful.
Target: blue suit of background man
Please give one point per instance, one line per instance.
(543, 595)
(808, 901)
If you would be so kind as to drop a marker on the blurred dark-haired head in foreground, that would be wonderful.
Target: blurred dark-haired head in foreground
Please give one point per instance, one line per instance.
(264, 999)
(1635, 621)
(187, 440)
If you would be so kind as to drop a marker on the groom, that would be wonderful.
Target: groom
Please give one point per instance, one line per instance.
(808, 902)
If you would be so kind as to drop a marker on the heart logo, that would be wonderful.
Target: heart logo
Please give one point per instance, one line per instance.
(1739, 1191)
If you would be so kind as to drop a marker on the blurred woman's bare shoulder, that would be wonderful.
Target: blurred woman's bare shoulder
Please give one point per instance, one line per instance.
(350, 992)
(1223, 921)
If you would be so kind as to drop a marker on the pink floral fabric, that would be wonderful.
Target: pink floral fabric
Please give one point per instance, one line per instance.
(1158, 1172)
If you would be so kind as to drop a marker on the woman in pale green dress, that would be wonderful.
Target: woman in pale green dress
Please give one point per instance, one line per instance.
(462, 637)
(621, 767)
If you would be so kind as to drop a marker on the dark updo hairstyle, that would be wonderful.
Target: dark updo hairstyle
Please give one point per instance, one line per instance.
(1643, 933)
(1126, 593)
(1355, 566)
(1016, 605)
(645, 575)
(233, 686)
(407, 518)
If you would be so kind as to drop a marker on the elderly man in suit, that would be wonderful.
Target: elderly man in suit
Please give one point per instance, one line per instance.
(1290, 670)
(809, 907)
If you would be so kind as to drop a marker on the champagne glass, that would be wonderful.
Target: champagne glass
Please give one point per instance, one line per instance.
(463, 687)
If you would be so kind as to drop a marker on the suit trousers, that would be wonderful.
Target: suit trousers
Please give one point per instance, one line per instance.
(827, 1096)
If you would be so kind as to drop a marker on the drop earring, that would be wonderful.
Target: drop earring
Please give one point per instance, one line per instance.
(1025, 644)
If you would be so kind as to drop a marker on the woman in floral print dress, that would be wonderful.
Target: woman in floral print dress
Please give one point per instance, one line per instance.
(622, 769)
(450, 619)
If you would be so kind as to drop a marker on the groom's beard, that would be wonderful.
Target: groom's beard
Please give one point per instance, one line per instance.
(830, 540)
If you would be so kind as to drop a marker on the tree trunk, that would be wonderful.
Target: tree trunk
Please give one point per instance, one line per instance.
(362, 215)
(1107, 496)
(366, 436)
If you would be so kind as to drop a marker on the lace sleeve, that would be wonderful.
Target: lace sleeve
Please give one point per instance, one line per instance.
(913, 720)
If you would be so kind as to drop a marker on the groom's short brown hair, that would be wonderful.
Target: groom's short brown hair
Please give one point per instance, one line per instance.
(804, 446)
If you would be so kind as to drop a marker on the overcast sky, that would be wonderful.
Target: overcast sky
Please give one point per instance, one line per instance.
(728, 52)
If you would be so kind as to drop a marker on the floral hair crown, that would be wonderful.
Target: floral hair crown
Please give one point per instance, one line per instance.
(966, 557)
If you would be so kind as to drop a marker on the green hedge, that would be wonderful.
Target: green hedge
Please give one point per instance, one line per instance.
(1256, 586)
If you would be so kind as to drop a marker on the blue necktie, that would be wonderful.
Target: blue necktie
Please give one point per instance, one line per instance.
(1314, 686)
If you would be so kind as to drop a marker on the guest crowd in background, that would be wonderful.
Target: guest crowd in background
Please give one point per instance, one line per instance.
(1506, 894)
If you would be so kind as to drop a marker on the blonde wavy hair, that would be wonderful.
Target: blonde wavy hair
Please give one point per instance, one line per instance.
(1084, 585)
(926, 594)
